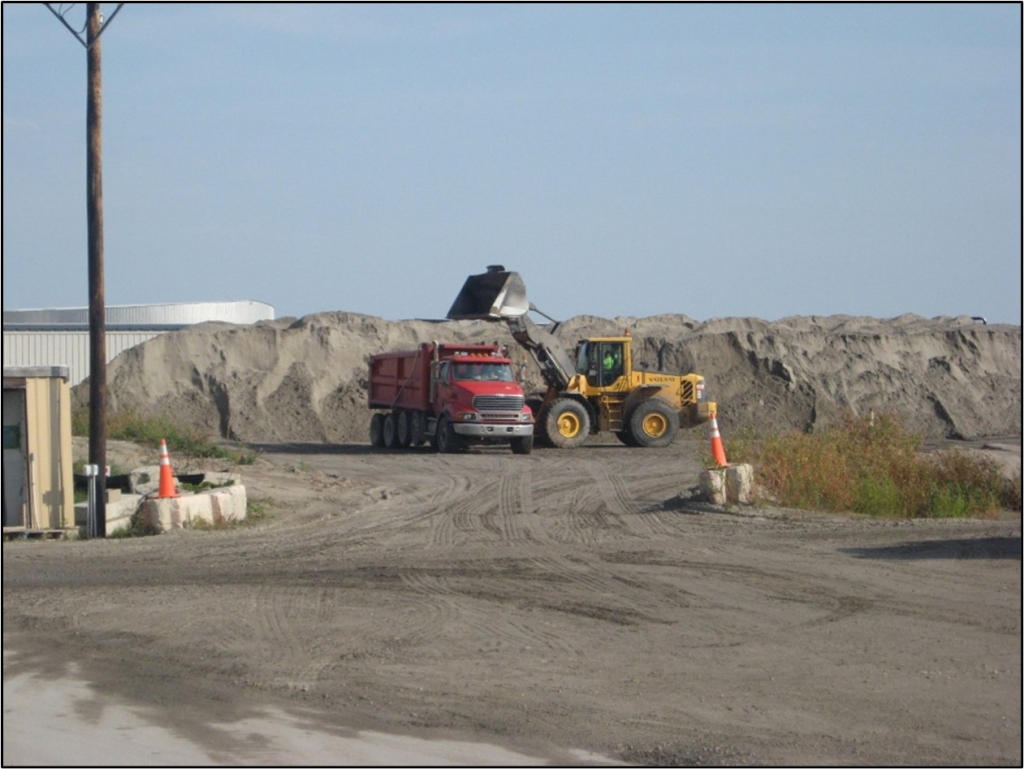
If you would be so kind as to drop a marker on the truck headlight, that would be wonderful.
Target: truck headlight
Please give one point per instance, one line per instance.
(466, 416)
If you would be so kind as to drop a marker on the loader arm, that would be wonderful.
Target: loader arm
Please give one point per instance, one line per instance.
(497, 295)
(556, 367)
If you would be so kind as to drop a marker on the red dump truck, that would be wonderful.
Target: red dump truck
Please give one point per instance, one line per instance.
(449, 394)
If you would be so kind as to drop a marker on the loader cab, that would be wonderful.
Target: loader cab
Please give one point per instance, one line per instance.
(602, 361)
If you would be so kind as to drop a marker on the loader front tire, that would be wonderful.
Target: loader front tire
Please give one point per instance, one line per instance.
(566, 423)
(653, 423)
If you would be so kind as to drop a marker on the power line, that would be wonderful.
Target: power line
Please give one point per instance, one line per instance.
(61, 11)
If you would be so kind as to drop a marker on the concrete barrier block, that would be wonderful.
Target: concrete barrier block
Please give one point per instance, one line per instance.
(228, 504)
(118, 512)
(176, 512)
(214, 507)
(712, 486)
(739, 484)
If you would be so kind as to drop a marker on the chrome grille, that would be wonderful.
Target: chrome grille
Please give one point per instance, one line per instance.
(505, 404)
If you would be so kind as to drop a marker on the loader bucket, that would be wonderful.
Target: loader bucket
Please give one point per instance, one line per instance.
(494, 295)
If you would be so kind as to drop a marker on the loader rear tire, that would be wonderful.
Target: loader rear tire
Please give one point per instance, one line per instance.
(653, 423)
(566, 423)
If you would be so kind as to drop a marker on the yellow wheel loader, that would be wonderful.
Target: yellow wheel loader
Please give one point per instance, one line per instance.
(604, 390)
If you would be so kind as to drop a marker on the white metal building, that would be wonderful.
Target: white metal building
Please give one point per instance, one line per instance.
(60, 337)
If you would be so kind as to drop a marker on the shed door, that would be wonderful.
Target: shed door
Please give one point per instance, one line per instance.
(15, 491)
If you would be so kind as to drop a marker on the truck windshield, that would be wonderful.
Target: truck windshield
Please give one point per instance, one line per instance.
(482, 372)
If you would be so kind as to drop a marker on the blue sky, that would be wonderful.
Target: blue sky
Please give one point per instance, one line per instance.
(712, 160)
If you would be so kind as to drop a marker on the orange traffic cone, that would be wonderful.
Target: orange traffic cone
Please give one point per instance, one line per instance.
(717, 449)
(166, 476)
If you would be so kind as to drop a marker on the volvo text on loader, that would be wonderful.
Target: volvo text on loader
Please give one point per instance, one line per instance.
(641, 407)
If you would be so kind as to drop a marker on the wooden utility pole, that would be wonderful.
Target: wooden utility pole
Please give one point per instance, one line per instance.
(97, 295)
(94, 26)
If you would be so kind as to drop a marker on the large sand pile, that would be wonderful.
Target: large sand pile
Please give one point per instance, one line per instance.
(305, 379)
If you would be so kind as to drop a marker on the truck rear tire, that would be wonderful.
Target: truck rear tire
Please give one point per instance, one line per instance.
(522, 445)
(403, 426)
(418, 428)
(653, 423)
(566, 423)
(377, 430)
(448, 442)
(390, 431)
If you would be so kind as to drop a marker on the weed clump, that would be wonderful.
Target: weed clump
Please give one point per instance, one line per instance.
(127, 425)
(874, 465)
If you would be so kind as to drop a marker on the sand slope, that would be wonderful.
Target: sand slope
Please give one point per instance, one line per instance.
(305, 379)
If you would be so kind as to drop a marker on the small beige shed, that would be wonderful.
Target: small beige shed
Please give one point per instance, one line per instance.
(38, 488)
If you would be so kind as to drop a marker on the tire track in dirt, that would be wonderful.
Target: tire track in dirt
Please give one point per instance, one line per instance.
(500, 507)
(274, 609)
(435, 610)
(620, 502)
(484, 624)
(593, 590)
(461, 516)
(520, 521)
(571, 512)
(296, 635)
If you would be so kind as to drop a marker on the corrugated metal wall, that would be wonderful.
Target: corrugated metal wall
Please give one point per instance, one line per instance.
(65, 348)
(147, 314)
(60, 336)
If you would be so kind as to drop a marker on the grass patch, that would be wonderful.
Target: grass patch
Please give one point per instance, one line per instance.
(137, 527)
(875, 466)
(257, 510)
(127, 425)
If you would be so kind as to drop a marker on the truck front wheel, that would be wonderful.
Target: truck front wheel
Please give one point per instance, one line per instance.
(522, 445)
(448, 442)
(566, 423)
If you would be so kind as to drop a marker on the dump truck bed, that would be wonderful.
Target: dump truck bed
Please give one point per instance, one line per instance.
(402, 379)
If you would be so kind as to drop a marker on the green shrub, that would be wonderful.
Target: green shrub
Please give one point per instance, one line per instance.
(127, 425)
(874, 465)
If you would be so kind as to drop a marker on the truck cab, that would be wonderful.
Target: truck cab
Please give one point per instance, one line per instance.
(478, 398)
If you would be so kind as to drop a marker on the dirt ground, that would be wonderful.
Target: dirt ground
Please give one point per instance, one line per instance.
(559, 601)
